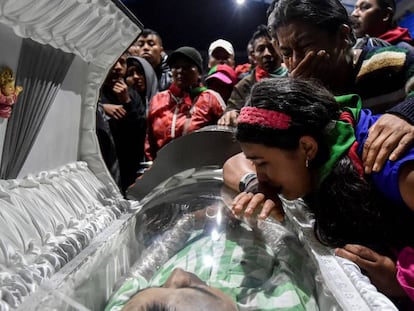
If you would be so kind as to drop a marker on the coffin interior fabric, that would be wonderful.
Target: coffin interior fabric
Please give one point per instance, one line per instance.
(45, 221)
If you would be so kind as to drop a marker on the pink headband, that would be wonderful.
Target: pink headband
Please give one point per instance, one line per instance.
(267, 118)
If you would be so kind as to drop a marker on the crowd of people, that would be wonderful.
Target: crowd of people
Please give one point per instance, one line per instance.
(323, 110)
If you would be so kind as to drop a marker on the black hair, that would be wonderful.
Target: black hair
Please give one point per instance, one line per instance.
(383, 4)
(310, 106)
(347, 207)
(147, 32)
(327, 15)
(260, 32)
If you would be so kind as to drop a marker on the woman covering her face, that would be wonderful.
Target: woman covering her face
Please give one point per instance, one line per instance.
(304, 145)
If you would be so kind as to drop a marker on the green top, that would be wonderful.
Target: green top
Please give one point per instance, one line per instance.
(340, 134)
(240, 264)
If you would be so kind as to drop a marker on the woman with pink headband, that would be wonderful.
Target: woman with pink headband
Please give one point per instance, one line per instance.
(304, 145)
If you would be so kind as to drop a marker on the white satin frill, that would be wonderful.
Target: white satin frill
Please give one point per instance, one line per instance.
(45, 221)
(88, 28)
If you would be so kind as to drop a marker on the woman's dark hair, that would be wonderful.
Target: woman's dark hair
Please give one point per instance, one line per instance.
(310, 106)
(347, 207)
(327, 15)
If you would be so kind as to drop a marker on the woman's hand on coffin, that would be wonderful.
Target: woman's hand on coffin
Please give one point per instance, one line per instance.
(116, 112)
(257, 205)
(380, 269)
(387, 139)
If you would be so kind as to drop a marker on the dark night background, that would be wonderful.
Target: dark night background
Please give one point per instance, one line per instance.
(199, 22)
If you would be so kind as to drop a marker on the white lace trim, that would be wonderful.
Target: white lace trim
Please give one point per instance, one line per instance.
(45, 221)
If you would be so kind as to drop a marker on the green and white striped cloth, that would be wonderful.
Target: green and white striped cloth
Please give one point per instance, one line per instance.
(237, 262)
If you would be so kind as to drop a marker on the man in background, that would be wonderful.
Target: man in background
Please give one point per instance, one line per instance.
(220, 52)
(375, 18)
(268, 64)
(149, 46)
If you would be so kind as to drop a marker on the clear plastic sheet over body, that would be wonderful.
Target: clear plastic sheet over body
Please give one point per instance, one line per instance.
(194, 202)
(176, 207)
(191, 209)
(69, 242)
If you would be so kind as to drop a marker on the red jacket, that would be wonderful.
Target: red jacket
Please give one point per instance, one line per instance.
(396, 35)
(170, 117)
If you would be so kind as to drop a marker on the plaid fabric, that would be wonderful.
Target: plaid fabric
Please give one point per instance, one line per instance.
(236, 262)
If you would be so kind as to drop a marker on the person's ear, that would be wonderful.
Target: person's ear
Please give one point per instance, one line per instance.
(344, 36)
(254, 51)
(309, 146)
(254, 57)
(388, 15)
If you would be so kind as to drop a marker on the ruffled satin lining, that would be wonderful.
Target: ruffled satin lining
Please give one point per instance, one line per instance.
(45, 221)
